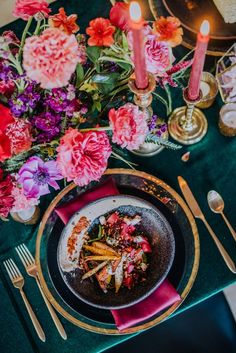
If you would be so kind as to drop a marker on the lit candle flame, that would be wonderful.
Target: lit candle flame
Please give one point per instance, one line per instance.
(135, 11)
(205, 28)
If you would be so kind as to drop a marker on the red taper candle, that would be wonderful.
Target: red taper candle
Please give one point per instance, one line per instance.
(198, 61)
(136, 26)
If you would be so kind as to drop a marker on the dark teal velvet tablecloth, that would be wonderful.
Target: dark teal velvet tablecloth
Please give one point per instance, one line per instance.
(212, 165)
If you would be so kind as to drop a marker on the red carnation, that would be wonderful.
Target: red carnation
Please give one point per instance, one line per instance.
(6, 198)
(5, 117)
(26, 8)
(11, 38)
(119, 15)
(7, 88)
(5, 147)
(19, 133)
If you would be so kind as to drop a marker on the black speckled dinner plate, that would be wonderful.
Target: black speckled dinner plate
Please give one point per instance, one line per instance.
(182, 273)
(155, 227)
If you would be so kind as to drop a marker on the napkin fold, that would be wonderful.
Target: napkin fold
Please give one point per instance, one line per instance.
(164, 296)
(66, 211)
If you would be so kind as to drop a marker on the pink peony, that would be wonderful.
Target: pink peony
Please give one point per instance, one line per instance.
(24, 9)
(82, 157)
(22, 202)
(129, 126)
(51, 58)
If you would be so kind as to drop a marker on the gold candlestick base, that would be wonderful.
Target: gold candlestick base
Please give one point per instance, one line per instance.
(143, 99)
(188, 125)
(209, 98)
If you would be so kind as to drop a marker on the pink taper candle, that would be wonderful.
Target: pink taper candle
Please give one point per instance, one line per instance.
(136, 26)
(198, 61)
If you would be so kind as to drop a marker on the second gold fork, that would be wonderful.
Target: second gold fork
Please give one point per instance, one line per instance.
(31, 268)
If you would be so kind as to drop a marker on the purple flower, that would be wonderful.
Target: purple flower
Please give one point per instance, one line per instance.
(25, 102)
(111, 66)
(48, 126)
(152, 123)
(161, 129)
(61, 100)
(35, 176)
(66, 101)
(6, 73)
(56, 100)
(157, 126)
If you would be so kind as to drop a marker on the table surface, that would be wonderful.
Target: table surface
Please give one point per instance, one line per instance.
(212, 165)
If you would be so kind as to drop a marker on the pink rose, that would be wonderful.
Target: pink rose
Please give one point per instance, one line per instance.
(147, 30)
(82, 157)
(51, 58)
(26, 8)
(129, 126)
(158, 55)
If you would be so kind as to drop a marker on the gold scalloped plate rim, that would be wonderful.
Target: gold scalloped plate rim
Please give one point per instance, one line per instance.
(152, 7)
(141, 327)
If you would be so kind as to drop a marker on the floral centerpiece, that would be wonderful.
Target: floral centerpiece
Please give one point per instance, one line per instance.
(61, 109)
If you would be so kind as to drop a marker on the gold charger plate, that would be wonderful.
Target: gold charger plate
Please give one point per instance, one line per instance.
(149, 187)
(191, 13)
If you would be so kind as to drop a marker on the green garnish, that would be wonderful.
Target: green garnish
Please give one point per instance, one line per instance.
(99, 236)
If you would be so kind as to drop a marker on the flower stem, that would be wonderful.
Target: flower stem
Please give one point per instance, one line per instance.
(187, 55)
(117, 156)
(37, 29)
(161, 99)
(24, 35)
(102, 128)
(15, 63)
(169, 110)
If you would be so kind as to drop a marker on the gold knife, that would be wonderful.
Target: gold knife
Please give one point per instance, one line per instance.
(194, 207)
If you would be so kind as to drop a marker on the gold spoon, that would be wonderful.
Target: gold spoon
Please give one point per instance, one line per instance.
(216, 204)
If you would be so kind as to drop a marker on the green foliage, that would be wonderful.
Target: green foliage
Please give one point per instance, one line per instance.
(79, 74)
(161, 142)
(97, 106)
(93, 53)
(106, 82)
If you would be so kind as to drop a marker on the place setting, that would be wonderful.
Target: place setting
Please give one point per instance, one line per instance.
(178, 251)
(86, 117)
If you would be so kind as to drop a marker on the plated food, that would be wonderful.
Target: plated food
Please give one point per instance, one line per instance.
(115, 251)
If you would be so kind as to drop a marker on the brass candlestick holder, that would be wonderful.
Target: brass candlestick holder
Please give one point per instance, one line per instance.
(143, 99)
(188, 125)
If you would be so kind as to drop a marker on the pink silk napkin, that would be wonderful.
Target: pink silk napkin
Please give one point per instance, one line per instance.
(161, 298)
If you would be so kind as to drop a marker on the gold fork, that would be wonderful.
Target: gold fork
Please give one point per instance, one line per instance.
(32, 270)
(18, 282)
